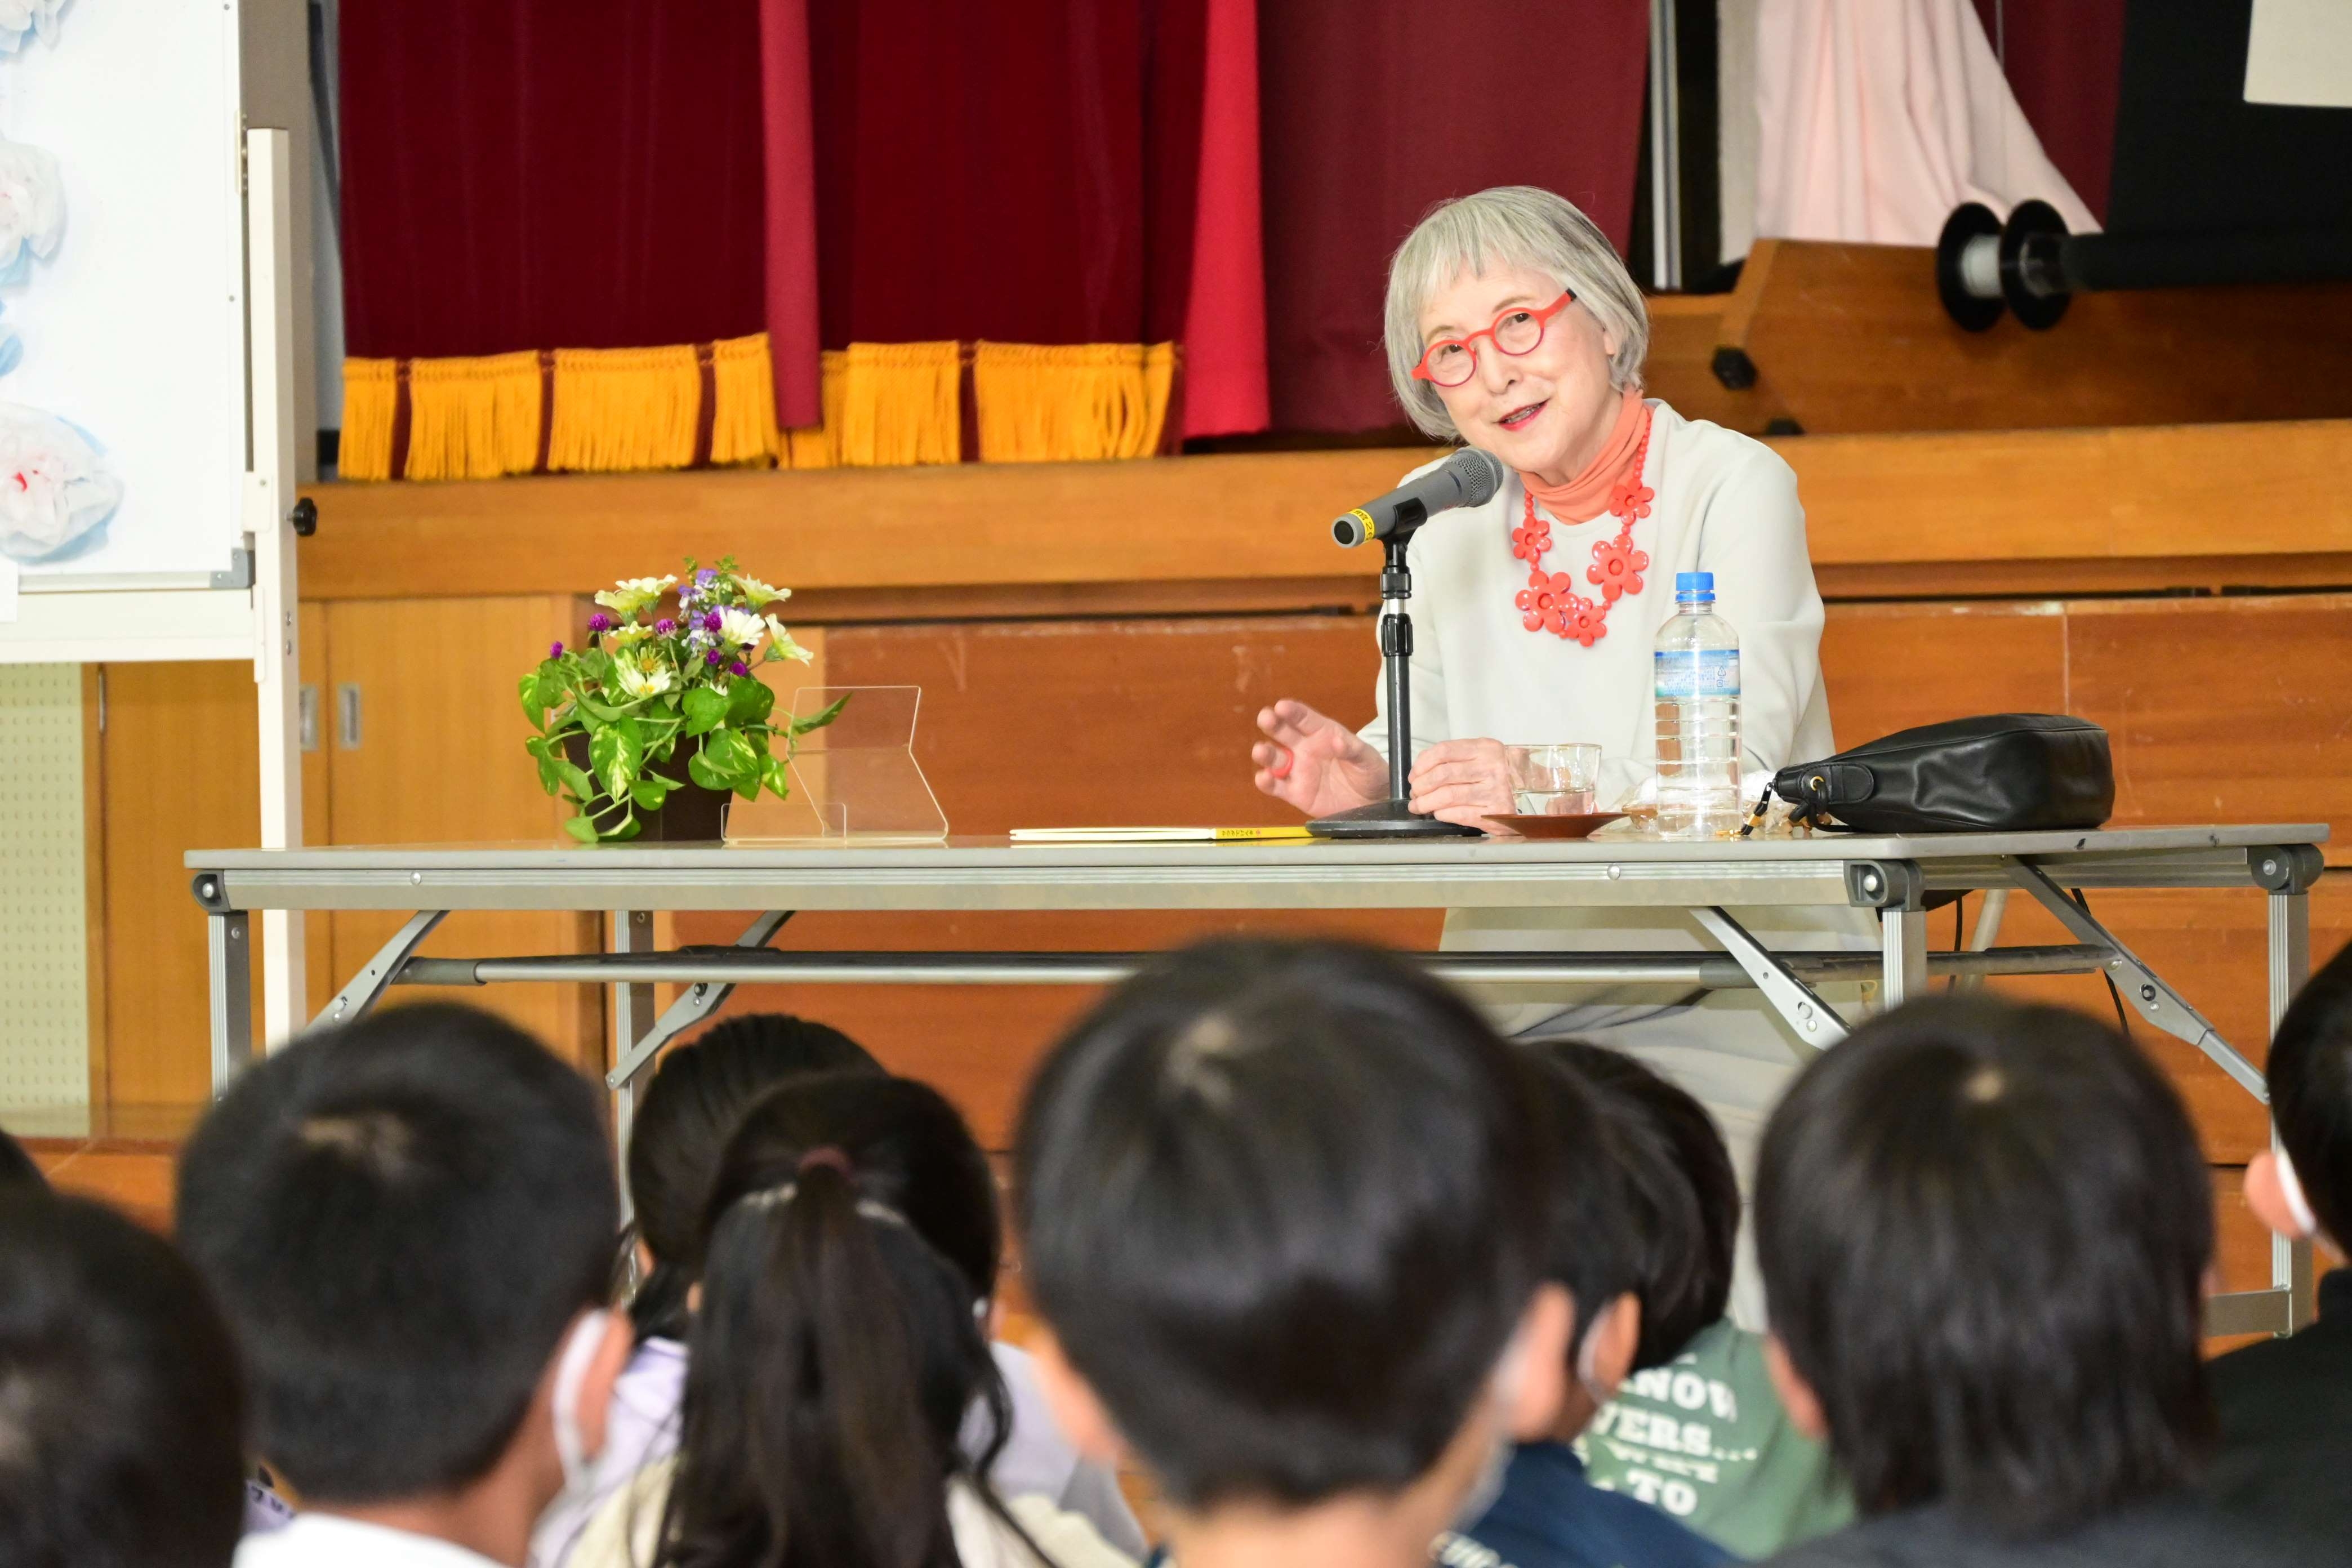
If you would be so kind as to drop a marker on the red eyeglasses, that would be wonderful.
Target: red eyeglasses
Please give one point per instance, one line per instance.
(1449, 361)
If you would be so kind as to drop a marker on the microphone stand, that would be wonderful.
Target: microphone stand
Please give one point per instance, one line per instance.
(1392, 818)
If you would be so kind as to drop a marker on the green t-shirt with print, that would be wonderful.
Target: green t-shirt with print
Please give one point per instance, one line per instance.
(1703, 1438)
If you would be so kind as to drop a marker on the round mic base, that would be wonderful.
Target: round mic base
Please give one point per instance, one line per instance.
(1387, 819)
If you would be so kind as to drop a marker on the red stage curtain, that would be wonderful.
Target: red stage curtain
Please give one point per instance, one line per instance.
(2065, 63)
(789, 158)
(1224, 321)
(1372, 109)
(1023, 171)
(525, 176)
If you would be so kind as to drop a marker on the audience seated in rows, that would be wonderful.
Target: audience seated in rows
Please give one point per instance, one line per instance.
(693, 1103)
(1985, 1232)
(1696, 1431)
(1286, 1210)
(1341, 1271)
(2287, 1406)
(409, 1224)
(839, 1351)
(121, 1412)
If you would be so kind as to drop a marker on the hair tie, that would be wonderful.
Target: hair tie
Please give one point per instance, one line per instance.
(829, 1157)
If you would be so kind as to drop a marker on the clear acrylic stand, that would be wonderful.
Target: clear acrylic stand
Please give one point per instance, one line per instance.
(854, 781)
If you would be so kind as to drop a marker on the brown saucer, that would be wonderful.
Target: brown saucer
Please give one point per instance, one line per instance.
(1579, 826)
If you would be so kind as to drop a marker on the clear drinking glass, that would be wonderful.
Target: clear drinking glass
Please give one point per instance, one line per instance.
(1554, 780)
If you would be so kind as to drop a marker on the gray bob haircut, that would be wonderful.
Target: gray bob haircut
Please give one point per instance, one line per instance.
(1509, 226)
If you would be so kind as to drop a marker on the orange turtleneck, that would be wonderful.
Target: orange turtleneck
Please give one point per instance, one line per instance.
(1587, 495)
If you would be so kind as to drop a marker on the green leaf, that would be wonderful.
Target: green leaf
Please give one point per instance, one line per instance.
(549, 779)
(580, 828)
(778, 777)
(705, 711)
(630, 827)
(698, 769)
(577, 777)
(648, 791)
(616, 757)
(749, 700)
(818, 721)
(604, 712)
(730, 758)
(552, 685)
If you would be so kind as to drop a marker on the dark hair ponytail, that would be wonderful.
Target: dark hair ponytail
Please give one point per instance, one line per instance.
(694, 1100)
(850, 1248)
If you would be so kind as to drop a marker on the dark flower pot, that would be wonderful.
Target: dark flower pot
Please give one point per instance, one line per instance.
(688, 814)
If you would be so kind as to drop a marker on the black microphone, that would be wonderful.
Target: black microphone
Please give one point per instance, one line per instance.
(1469, 478)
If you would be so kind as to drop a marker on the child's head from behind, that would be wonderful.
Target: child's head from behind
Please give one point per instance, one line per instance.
(403, 1218)
(1285, 1207)
(683, 1121)
(2309, 1191)
(122, 1418)
(1984, 1229)
(849, 1249)
(1680, 1195)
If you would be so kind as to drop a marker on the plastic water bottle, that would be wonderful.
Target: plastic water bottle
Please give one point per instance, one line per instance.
(1698, 673)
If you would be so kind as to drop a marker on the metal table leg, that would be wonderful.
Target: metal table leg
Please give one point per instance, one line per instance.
(358, 999)
(2158, 1002)
(2289, 952)
(1815, 1021)
(633, 1019)
(1903, 956)
(698, 1002)
(230, 951)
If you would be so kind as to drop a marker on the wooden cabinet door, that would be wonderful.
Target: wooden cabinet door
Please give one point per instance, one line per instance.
(425, 741)
(178, 768)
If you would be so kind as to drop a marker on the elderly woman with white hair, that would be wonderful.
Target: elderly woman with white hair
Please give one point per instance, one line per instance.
(1513, 327)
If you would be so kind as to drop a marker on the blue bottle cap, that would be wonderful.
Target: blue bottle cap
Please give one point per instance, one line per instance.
(1693, 586)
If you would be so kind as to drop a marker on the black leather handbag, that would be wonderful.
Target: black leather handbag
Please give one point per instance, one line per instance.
(1999, 772)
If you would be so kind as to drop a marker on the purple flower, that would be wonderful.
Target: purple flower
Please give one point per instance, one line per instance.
(665, 626)
(713, 621)
(714, 658)
(706, 575)
(600, 622)
(738, 668)
(555, 650)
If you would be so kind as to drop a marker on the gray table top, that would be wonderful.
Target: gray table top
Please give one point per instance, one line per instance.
(993, 873)
(558, 856)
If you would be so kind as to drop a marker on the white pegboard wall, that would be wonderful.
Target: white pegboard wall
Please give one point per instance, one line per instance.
(44, 961)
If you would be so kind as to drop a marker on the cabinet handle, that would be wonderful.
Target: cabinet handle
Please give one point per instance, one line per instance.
(306, 716)
(347, 716)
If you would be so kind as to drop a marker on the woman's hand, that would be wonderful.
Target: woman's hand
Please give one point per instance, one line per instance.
(1463, 781)
(1317, 764)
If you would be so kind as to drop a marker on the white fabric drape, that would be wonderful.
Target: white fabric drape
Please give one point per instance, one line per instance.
(1876, 118)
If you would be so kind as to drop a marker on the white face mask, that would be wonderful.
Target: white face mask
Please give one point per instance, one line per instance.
(1504, 1385)
(571, 1371)
(2290, 1189)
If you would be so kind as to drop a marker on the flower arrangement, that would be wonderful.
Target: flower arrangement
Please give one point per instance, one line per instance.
(644, 692)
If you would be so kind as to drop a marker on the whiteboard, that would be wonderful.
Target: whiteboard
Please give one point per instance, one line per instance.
(134, 329)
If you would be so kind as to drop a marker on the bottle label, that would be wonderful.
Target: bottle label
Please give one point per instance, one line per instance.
(1698, 673)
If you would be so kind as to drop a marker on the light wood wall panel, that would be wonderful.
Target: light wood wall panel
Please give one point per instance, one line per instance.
(440, 760)
(2238, 495)
(182, 767)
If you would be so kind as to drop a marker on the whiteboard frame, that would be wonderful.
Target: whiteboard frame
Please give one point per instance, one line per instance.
(147, 619)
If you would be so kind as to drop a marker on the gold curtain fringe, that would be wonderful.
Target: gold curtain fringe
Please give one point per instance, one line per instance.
(624, 410)
(743, 402)
(1037, 404)
(473, 418)
(371, 404)
(621, 410)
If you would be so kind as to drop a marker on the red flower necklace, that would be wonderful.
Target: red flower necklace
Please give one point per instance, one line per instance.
(1550, 602)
